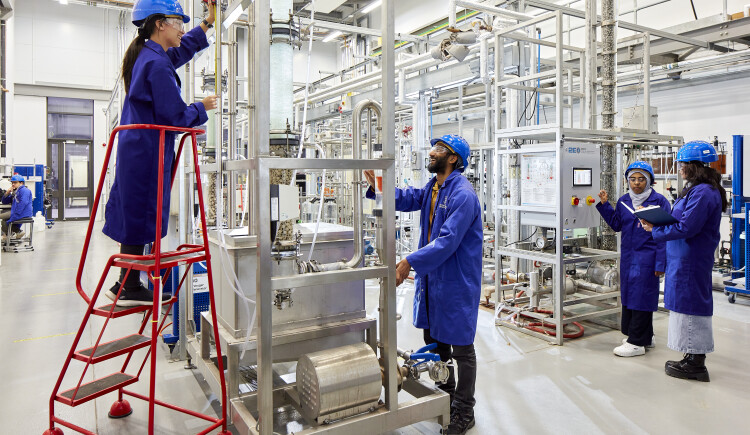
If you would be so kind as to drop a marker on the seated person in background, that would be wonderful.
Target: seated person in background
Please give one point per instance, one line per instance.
(19, 196)
(642, 261)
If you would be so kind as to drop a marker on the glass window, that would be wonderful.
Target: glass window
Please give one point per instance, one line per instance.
(72, 106)
(61, 126)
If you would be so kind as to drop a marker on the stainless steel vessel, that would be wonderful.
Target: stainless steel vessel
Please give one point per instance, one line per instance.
(339, 382)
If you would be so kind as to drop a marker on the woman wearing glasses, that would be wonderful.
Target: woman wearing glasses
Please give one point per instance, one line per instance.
(691, 244)
(152, 96)
(642, 260)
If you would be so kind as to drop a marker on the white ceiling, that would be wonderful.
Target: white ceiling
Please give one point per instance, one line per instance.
(325, 6)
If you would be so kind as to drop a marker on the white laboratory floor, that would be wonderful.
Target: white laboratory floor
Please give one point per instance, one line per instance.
(524, 385)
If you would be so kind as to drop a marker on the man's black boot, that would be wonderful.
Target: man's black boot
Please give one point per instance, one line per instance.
(692, 366)
(460, 423)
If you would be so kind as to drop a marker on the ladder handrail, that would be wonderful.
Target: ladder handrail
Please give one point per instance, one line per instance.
(105, 166)
(156, 257)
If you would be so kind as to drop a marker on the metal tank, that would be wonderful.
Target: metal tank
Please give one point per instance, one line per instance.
(312, 308)
(338, 383)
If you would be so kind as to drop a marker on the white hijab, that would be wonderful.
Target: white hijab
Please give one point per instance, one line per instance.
(639, 198)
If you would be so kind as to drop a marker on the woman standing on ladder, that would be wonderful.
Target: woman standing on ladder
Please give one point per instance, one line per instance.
(691, 244)
(152, 90)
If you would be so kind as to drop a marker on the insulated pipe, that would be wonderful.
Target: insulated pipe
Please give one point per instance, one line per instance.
(452, 4)
(483, 56)
(402, 90)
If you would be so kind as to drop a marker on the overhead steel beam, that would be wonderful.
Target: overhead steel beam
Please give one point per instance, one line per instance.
(357, 30)
(623, 24)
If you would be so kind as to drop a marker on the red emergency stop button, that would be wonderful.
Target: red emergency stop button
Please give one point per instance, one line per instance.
(574, 200)
(590, 200)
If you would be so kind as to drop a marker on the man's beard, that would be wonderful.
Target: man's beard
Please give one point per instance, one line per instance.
(439, 165)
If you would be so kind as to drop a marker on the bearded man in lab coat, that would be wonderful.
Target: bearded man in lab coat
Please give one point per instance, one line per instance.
(448, 266)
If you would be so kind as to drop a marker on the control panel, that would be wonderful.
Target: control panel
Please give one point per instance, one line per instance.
(578, 185)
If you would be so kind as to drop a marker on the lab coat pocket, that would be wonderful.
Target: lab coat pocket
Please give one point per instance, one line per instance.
(420, 305)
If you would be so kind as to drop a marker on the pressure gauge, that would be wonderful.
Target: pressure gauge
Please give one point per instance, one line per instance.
(540, 241)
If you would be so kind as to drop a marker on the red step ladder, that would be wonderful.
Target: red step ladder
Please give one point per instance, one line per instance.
(152, 264)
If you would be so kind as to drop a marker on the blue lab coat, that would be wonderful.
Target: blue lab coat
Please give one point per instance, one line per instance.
(20, 204)
(640, 255)
(451, 262)
(154, 98)
(691, 244)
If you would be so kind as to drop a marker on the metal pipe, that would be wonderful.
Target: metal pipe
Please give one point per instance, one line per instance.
(251, 145)
(483, 8)
(356, 259)
(621, 141)
(233, 67)
(219, 120)
(593, 287)
(357, 191)
(647, 81)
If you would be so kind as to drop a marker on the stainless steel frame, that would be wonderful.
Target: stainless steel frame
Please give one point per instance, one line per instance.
(253, 413)
(511, 142)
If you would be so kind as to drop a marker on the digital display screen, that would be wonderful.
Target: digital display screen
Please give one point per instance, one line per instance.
(582, 176)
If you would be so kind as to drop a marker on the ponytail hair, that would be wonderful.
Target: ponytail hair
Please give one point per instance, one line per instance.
(697, 173)
(134, 49)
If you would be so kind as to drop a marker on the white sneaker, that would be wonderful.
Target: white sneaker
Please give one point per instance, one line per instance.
(628, 349)
(648, 346)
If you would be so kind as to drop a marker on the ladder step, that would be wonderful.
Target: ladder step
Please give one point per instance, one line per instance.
(124, 311)
(96, 388)
(113, 348)
(168, 260)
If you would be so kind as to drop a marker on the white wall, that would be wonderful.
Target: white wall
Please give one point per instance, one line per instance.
(64, 45)
(325, 59)
(53, 47)
(29, 141)
(703, 111)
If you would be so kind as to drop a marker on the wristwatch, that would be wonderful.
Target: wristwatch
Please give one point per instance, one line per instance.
(209, 25)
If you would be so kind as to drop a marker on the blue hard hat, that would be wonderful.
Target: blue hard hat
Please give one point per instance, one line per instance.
(18, 178)
(457, 145)
(642, 166)
(143, 9)
(697, 150)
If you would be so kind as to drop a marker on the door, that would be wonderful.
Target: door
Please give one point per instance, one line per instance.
(71, 179)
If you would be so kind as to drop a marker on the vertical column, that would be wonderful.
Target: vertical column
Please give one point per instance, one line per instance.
(559, 68)
(647, 81)
(590, 79)
(263, 293)
(388, 334)
(185, 209)
(252, 145)
(232, 67)
(609, 108)
(219, 118)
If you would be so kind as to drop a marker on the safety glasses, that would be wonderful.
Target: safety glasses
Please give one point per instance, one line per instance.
(175, 23)
(440, 149)
(637, 180)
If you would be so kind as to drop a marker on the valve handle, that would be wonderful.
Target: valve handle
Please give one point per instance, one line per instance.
(430, 346)
(425, 356)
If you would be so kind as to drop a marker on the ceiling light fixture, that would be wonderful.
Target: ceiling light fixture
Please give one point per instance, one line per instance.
(63, 2)
(371, 7)
(332, 36)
